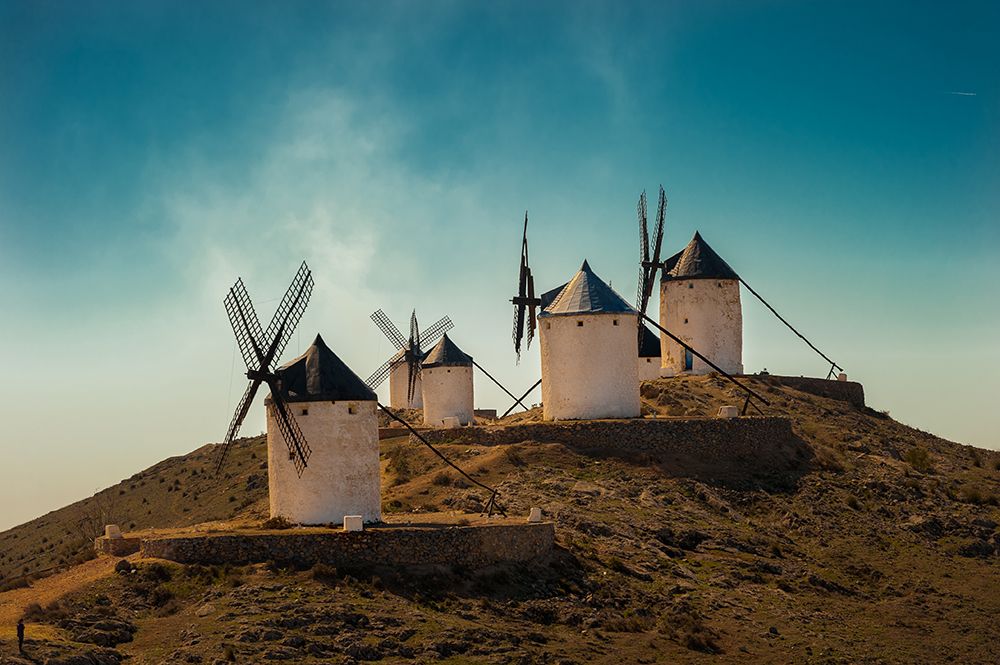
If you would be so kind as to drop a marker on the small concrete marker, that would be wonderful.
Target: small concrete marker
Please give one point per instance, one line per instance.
(728, 412)
(451, 422)
(842, 376)
(353, 523)
(535, 515)
(112, 531)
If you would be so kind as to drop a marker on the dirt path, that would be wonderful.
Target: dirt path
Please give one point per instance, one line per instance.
(46, 590)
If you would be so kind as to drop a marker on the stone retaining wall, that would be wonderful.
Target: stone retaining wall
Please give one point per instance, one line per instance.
(739, 453)
(469, 546)
(845, 391)
(724, 436)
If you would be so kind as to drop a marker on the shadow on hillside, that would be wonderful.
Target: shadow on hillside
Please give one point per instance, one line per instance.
(773, 466)
(553, 576)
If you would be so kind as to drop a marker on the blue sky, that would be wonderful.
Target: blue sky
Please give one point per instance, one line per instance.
(152, 152)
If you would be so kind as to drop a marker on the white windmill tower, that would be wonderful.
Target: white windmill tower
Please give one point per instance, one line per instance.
(650, 358)
(322, 433)
(700, 303)
(447, 383)
(588, 349)
(336, 412)
(403, 369)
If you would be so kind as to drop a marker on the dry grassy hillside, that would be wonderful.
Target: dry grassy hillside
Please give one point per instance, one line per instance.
(179, 491)
(885, 550)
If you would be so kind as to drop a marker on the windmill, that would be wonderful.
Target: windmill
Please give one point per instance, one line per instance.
(261, 350)
(525, 303)
(409, 351)
(649, 256)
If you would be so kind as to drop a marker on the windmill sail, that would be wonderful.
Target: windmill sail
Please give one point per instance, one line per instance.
(649, 253)
(260, 359)
(525, 302)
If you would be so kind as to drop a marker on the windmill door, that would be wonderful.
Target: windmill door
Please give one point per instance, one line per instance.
(688, 359)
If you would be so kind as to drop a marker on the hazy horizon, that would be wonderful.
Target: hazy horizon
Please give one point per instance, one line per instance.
(843, 159)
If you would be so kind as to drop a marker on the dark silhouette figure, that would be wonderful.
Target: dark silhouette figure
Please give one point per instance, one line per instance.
(20, 635)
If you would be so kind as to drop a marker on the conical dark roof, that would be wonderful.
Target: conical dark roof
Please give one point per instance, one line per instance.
(697, 261)
(550, 295)
(587, 293)
(318, 374)
(445, 352)
(649, 347)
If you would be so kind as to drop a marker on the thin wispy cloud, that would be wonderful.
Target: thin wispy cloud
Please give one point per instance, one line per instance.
(961, 93)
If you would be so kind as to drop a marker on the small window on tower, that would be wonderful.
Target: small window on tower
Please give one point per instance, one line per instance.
(352, 408)
(614, 321)
(305, 412)
(720, 284)
(548, 326)
(685, 320)
(449, 371)
(690, 285)
(579, 324)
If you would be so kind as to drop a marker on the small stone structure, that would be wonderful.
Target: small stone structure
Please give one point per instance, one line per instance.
(728, 411)
(446, 377)
(588, 343)
(120, 546)
(700, 303)
(336, 412)
(474, 546)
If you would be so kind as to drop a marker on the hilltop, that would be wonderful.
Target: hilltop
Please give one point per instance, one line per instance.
(880, 545)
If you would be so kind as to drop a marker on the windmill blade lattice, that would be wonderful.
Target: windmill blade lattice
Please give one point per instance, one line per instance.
(525, 302)
(260, 359)
(298, 448)
(382, 373)
(290, 311)
(414, 357)
(412, 352)
(649, 253)
(388, 328)
(431, 335)
(243, 319)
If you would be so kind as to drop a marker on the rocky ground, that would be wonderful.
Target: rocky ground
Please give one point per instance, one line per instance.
(885, 551)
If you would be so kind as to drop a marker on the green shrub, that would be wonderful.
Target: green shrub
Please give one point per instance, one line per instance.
(442, 479)
(322, 572)
(919, 458)
(278, 522)
(512, 455)
(400, 463)
(628, 623)
(977, 496)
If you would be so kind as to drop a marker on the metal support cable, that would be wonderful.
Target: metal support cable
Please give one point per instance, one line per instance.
(516, 399)
(707, 361)
(526, 392)
(790, 327)
(493, 492)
